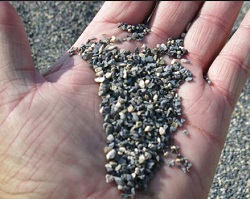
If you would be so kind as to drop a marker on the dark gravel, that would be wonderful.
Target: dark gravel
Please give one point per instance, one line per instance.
(50, 34)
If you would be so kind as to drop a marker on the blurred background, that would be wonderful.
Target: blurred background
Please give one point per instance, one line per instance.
(54, 26)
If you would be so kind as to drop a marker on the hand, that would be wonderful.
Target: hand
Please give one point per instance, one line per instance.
(51, 136)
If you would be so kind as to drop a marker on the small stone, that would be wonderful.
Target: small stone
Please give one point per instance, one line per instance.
(113, 39)
(138, 124)
(142, 84)
(118, 181)
(174, 61)
(148, 128)
(101, 110)
(118, 105)
(171, 163)
(137, 170)
(100, 73)
(110, 47)
(122, 149)
(161, 61)
(134, 35)
(135, 117)
(207, 80)
(122, 116)
(108, 75)
(185, 132)
(150, 107)
(133, 191)
(107, 149)
(164, 103)
(147, 82)
(185, 61)
(130, 109)
(159, 69)
(133, 175)
(155, 97)
(73, 51)
(166, 154)
(184, 169)
(108, 129)
(101, 49)
(118, 167)
(189, 166)
(109, 178)
(188, 79)
(110, 138)
(162, 131)
(110, 155)
(111, 145)
(164, 46)
(99, 79)
(120, 187)
(141, 159)
(143, 46)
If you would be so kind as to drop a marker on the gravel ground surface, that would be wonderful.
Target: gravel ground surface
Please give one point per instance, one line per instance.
(50, 35)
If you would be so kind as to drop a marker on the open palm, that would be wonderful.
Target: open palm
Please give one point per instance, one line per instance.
(51, 136)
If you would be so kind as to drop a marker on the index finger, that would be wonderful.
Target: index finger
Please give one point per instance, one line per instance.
(131, 12)
(210, 31)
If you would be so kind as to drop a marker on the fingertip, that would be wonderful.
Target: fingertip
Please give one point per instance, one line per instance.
(11, 23)
(8, 15)
(14, 45)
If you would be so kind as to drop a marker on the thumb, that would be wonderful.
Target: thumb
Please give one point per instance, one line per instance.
(16, 61)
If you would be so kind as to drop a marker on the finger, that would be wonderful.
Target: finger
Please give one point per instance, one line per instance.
(106, 20)
(231, 69)
(15, 53)
(126, 11)
(130, 12)
(209, 31)
(171, 18)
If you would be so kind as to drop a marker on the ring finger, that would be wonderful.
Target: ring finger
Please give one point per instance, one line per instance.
(171, 18)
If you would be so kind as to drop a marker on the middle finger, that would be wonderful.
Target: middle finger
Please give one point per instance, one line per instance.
(171, 18)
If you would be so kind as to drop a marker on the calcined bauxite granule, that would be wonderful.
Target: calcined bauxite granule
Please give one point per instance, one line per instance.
(140, 105)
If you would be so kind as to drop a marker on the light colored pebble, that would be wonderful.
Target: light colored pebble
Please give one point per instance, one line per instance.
(148, 128)
(174, 61)
(110, 138)
(142, 83)
(162, 131)
(141, 159)
(110, 155)
(185, 61)
(108, 75)
(99, 79)
(109, 178)
(130, 108)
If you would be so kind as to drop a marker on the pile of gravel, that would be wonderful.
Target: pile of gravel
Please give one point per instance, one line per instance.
(140, 105)
(50, 34)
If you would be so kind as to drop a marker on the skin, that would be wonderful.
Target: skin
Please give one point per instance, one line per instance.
(51, 136)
